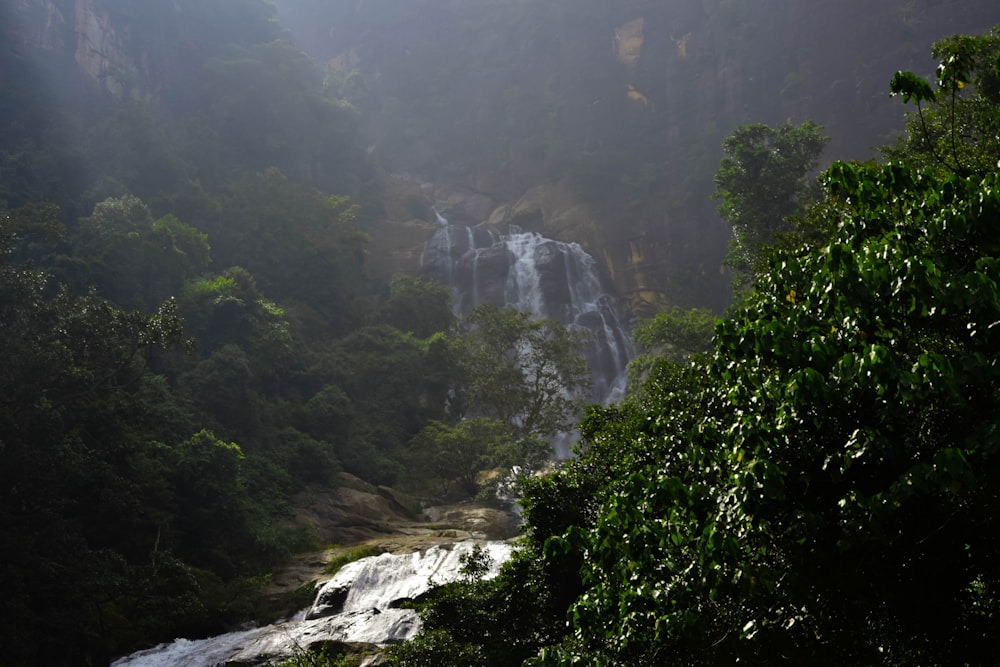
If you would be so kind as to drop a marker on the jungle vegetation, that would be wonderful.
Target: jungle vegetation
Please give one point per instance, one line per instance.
(189, 336)
(817, 482)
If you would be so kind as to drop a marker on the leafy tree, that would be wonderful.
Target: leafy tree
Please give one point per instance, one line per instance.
(957, 123)
(849, 409)
(765, 178)
(210, 490)
(668, 340)
(494, 622)
(419, 306)
(447, 455)
(131, 259)
(264, 106)
(396, 383)
(132, 147)
(304, 248)
(527, 373)
(230, 309)
(79, 502)
(328, 413)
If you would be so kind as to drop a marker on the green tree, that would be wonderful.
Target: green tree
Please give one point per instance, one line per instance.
(956, 126)
(419, 306)
(81, 490)
(527, 373)
(666, 341)
(452, 456)
(304, 248)
(132, 147)
(130, 258)
(396, 383)
(264, 106)
(229, 309)
(849, 409)
(765, 179)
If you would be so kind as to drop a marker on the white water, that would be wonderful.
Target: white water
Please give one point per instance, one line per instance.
(368, 613)
(550, 279)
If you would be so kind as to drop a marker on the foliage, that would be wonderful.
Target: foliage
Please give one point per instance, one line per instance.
(266, 107)
(668, 338)
(319, 654)
(302, 246)
(957, 123)
(145, 474)
(83, 449)
(765, 178)
(728, 510)
(451, 457)
(848, 409)
(521, 371)
(395, 383)
(418, 306)
(478, 621)
(816, 488)
(120, 244)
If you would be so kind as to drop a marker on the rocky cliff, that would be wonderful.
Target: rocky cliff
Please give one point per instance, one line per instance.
(126, 48)
(601, 122)
(82, 36)
(586, 120)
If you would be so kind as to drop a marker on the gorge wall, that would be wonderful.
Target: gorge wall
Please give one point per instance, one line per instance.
(588, 121)
(601, 122)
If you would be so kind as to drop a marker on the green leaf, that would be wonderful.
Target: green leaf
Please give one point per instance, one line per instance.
(910, 86)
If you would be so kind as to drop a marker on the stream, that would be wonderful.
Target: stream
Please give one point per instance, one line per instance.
(361, 603)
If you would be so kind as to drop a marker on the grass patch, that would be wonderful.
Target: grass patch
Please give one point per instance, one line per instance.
(340, 560)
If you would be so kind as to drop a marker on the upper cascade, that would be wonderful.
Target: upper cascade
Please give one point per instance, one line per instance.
(550, 279)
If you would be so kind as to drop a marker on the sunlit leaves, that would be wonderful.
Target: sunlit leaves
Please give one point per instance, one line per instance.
(842, 411)
(955, 127)
(911, 87)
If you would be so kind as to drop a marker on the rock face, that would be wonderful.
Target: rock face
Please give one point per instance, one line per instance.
(601, 122)
(587, 121)
(84, 33)
(356, 514)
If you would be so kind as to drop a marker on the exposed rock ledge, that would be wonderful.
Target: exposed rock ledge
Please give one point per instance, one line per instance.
(358, 514)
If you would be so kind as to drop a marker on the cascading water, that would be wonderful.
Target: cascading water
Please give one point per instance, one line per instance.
(359, 604)
(550, 279)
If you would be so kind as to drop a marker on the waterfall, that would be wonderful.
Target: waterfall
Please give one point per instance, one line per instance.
(550, 279)
(359, 604)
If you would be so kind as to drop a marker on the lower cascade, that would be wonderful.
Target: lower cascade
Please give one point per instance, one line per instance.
(550, 279)
(360, 604)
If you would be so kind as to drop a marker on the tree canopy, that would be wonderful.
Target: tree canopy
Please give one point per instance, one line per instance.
(766, 178)
(956, 126)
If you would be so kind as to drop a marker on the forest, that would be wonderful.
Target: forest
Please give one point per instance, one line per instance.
(192, 331)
